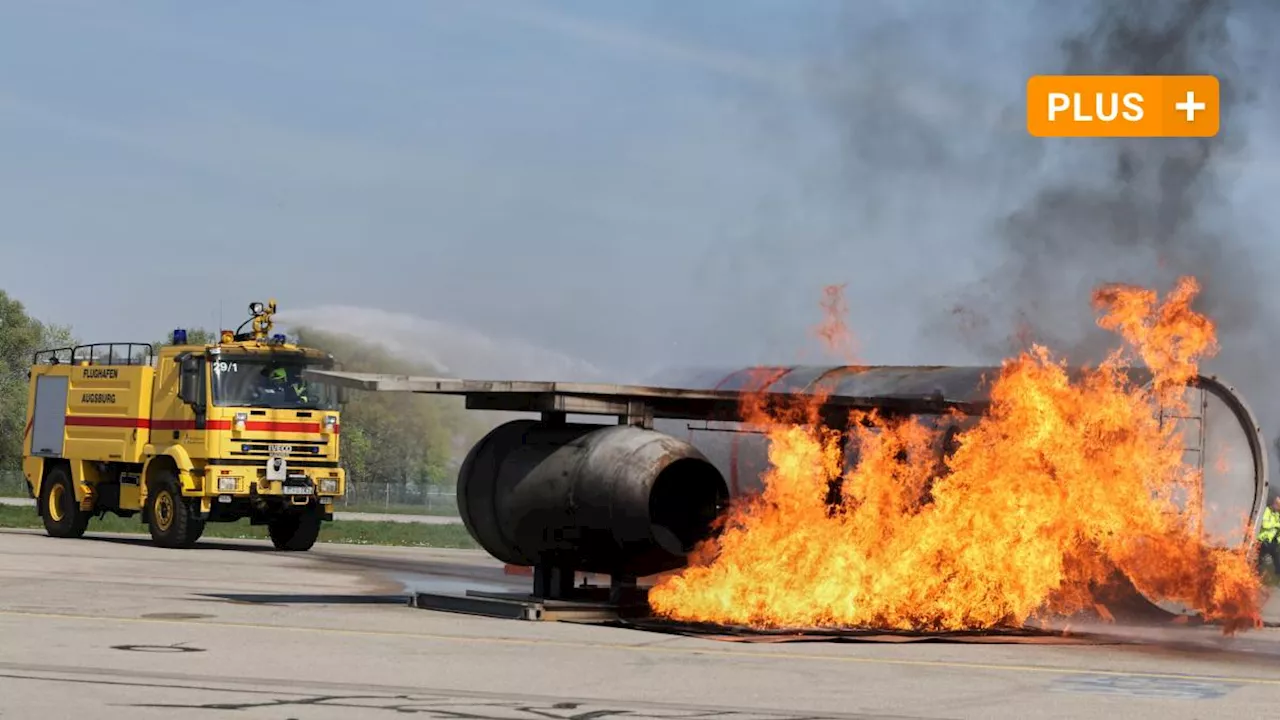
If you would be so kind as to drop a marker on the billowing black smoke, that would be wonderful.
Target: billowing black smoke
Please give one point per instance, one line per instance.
(1138, 210)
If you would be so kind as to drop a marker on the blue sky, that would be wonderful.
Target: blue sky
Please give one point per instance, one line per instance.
(628, 184)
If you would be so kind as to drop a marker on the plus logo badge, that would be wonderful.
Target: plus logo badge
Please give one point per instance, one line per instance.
(1123, 106)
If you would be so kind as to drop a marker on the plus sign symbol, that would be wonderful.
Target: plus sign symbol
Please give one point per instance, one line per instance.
(1190, 106)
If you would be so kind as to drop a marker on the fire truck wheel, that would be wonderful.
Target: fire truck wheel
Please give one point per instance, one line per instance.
(60, 511)
(296, 531)
(168, 517)
(195, 528)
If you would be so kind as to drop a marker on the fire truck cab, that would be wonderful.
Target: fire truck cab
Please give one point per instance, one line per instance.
(184, 436)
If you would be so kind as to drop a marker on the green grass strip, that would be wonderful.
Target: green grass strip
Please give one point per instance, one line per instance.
(352, 532)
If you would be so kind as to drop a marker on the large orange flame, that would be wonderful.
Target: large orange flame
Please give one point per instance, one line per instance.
(1067, 482)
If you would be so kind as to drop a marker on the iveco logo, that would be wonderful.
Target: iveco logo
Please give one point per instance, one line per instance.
(275, 450)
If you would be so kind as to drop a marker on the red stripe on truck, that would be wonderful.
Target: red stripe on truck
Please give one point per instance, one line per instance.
(100, 421)
(142, 423)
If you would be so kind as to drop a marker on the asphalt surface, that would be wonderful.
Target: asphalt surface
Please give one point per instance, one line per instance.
(111, 627)
(339, 515)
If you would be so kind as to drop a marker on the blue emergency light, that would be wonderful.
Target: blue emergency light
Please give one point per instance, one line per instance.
(179, 337)
(278, 338)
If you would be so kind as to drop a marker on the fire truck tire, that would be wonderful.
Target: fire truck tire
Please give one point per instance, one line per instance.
(195, 528)
(168, 516)
(59, 509)
(296, 531)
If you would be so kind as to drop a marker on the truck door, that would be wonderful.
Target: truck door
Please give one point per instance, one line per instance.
(193, 389)
(49, 416)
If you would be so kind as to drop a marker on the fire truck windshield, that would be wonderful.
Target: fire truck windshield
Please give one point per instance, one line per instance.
(240, 381)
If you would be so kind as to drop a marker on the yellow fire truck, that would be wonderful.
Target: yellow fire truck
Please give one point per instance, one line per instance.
(186, 435)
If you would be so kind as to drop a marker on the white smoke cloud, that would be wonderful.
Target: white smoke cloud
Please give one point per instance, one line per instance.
(456, 351)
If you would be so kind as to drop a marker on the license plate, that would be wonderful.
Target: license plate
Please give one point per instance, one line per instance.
(278, 450)
(296, 490)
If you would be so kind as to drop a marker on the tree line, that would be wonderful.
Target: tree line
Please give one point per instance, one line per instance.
(21, 335)
(395, 438)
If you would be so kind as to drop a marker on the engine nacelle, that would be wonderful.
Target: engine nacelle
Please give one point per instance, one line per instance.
(611, 499)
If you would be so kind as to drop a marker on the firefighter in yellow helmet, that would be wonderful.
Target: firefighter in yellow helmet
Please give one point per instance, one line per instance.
(281, 384)
(1269, 535)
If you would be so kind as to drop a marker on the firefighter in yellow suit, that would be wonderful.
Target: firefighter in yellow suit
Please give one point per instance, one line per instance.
(1269, 535)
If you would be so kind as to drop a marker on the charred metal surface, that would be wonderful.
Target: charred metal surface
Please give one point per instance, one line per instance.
(954, 385)
(618, 499)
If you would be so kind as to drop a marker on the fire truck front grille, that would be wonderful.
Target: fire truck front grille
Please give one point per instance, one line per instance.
(300, 449)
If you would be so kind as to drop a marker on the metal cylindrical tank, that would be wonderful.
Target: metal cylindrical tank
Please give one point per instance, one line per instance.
(611, 499)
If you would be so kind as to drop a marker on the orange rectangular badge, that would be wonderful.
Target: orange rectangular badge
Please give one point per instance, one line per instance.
(1122, 106)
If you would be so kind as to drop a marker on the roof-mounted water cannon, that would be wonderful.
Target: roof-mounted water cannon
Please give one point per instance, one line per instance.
(260, 316)
(262, 322)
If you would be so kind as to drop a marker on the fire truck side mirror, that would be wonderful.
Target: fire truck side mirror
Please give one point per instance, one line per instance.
(189, 382)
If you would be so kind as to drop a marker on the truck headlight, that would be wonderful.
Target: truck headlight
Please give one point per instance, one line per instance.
(239, 422)
(228, 484)
(330, 422)
(328, 485)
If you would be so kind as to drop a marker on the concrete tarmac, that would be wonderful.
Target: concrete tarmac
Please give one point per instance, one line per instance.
(111, 627)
